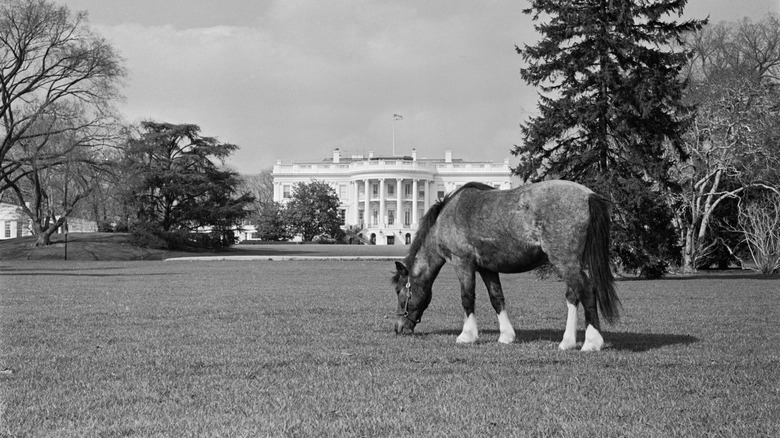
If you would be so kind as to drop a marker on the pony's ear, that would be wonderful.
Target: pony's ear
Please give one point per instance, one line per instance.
(401, 268)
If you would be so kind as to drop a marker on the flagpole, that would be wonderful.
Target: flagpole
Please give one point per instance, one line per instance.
(395, 117)
(394, 135)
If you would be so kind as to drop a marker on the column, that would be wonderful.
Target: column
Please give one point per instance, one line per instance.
(355, 202)
(382, 212)
(366, 205)
(414, 203)
(399, 217)
(427, 195)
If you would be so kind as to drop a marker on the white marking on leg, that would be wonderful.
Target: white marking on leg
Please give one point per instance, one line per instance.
(469, 333)
(569, 341)
(506, 329)
(593, 340)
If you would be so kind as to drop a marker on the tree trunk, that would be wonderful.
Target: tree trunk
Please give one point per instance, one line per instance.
(688, 252)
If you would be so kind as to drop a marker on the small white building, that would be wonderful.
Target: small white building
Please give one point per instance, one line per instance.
(384, 198)
(13, 222)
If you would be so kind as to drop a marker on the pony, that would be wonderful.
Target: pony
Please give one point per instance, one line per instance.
(479, 229)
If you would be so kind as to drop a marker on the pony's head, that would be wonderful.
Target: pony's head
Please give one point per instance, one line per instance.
(413, 299)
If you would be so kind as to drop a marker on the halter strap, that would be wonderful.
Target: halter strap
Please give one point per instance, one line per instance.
(406, 304)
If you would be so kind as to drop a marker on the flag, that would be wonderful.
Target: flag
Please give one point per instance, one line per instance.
(398, 117)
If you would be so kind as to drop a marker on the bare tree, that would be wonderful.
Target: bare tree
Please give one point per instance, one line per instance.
(732, 143)
(261, 186)
(58, 81)
(50, 61)
(759, 226)
(57, 171)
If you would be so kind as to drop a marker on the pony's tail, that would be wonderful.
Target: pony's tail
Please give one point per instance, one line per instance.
(597, 257)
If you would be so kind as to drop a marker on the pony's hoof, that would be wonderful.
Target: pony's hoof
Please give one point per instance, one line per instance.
(593, 340)
(466, 338)
(506, 338)
(567, 344)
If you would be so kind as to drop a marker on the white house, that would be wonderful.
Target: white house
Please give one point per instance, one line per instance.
(385, 197)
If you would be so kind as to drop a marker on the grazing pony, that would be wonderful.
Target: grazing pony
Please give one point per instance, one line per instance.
(482, 230)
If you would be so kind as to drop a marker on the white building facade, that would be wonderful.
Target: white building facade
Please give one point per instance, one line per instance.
(13, 222)
(384, 198)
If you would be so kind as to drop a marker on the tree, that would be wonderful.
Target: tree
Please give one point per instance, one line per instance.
(57, 84)
(51, 64)
(610, 112)
(759, 225)
(270, 223)
(52, 174)
(734, 141)
(314, 210)
(177, 187)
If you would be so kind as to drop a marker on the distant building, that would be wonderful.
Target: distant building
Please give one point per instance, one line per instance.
(14, 223)
(383, 198)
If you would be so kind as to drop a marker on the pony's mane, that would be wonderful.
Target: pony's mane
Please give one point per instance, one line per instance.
(427, 223)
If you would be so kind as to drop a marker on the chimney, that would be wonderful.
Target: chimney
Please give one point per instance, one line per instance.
(336, 156)
(448, 156)
(414, 154)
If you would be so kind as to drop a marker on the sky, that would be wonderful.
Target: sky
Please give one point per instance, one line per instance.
(292, 80)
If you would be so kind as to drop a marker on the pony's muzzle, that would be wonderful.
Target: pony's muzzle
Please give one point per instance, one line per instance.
(404, 326)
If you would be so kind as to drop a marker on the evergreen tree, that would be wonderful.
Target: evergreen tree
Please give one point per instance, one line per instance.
(610, 112)
(178, 187)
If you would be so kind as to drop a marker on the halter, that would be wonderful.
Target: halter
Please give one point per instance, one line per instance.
(406, 304)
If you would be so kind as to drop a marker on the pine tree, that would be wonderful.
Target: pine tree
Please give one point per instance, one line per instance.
(610, 111)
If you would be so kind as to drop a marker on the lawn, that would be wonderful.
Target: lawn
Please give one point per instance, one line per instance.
(305, 348)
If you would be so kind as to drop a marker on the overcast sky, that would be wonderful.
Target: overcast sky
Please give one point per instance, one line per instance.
(293, 79)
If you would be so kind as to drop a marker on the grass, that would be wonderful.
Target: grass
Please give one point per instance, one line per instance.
(81, 246)
(306, 349)
(118, 247)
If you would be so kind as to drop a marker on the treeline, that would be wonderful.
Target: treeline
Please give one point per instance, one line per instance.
(677, 122)
(66, 151)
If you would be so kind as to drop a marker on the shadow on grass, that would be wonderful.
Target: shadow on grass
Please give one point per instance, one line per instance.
(72, 272)
(730, 274)
(621, 341)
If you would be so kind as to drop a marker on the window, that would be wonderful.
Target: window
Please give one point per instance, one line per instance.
(375, 216)
(390, 217)
(342, 192)
(407, 217)
(343, 216)
(407, 190)
(19, 228)
(421, 191)
(7, 232)
(375, 189)
(390, 189)
(440, 191)
(361, 215)
(286, 191)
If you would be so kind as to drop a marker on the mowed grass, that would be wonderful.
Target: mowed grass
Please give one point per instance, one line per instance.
(306, 349)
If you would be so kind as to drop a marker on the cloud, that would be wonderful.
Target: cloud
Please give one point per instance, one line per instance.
(311, 76)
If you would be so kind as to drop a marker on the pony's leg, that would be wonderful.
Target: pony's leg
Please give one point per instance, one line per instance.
(569, 341)
(593, 339)
(581, 290)
(493, 284)
(465, 274)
